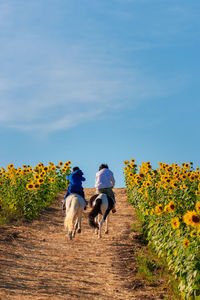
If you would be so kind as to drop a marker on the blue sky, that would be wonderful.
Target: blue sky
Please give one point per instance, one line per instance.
(99, 81)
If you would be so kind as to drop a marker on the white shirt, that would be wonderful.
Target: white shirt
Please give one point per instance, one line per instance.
(104, 179)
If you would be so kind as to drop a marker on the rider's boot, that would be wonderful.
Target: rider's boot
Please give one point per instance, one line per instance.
(114, 210)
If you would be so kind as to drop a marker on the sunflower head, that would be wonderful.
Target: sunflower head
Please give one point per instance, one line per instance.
(159, 209)
(40, 180)
(198, 206)
(36, 186)
(195, 220)
(186, 243)
(175, 223)
(171, 206)
(192, 218)
(30, 186)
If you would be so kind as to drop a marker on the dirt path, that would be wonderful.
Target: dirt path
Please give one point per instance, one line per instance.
(37, 261)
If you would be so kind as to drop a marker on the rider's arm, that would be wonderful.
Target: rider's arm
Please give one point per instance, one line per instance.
(112, 180)
(96, 180)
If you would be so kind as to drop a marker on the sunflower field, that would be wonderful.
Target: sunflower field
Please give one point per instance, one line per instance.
(24, 191)
(168, 202)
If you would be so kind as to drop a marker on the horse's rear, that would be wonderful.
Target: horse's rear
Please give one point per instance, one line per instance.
(74, 208)
(101, 205)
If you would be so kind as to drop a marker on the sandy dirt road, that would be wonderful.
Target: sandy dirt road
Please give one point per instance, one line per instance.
(37, 261)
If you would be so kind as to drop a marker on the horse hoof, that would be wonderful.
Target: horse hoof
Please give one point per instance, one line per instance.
(79, 230)
(106, 232)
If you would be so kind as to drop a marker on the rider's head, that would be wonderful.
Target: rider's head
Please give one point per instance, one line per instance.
(103, 166)
(75, 169)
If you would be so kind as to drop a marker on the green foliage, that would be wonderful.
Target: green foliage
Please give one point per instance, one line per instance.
(173, 231)
(25, 192)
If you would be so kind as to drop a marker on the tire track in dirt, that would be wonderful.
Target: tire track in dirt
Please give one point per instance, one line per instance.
(37, 261)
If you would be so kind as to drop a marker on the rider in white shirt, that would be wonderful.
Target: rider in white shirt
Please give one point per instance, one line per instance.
(105, 182)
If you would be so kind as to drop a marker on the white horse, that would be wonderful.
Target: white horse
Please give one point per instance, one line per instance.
(101, 205)
(74, 207)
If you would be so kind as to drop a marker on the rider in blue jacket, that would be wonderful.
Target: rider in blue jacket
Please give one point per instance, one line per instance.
(75, 184)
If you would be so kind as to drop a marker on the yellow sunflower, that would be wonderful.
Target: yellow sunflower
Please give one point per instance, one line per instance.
(29, 186)
(40, 180)
(191, 218)
(167, 180)
(159, 209)
(186, 243)
(10, 166)
(152, 212)
(166, 208)
(36, 186)
(175, 223)
(141, 175)
(198, 206)
(171, 206)
(193, 233)
(174, 184)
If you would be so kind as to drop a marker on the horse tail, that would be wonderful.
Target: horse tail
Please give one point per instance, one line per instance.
(94, 212)
(71, 214)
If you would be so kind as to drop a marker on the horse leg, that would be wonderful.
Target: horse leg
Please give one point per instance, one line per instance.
(66, 225)
(106, 230)
(96, 221)
(100, 225)
(99, 233)
(75, 227)
(79, 223)
(70, 235)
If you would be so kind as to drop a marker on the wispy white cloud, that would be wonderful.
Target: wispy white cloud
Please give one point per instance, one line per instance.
(49, 84)
(70, 94)
(64, 123)
(66, 86)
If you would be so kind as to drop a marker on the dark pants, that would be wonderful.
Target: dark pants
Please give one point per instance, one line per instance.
(107, 191)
